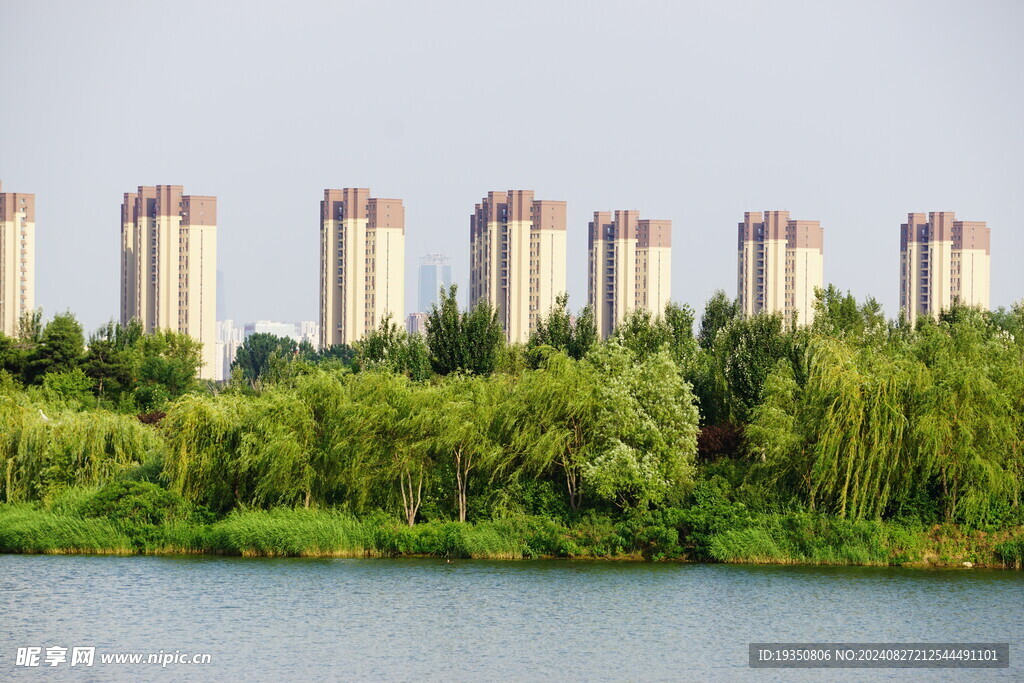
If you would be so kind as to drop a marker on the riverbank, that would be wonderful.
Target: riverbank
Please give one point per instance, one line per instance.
(770, 539)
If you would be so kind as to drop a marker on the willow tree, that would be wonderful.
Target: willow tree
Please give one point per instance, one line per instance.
(41, 453)
(870, 429)
(839, 439)
(276, 447)
(392, 426)
(203, 435)
(552, 420)
(466, 427)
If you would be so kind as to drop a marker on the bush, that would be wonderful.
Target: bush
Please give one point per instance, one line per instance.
(137, 502)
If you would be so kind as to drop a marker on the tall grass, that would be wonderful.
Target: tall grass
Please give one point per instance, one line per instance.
(285, 532)
(25, 529)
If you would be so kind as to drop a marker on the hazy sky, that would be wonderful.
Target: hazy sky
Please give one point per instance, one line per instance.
(853, 114)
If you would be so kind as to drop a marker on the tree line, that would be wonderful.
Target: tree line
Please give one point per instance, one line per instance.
(854, 416)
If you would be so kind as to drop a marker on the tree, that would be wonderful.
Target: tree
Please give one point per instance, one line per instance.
(112, 359)
(718, 313)
(394, 427)
(60, 347)
(648, 430)
(558, 329)
(390, 347)
(836, 315)
(30, 326)
(466, 428)
(644, 334)
(745, 352)
(469, 342)
(254, 355)
(553, 420)
(168, 366)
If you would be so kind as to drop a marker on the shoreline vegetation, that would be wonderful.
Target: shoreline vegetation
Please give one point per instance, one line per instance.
(854, 440)
(799, 539)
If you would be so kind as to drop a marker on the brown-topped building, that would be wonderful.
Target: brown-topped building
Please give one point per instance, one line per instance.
(362, 264)
(17, 258)
(780, 263)
(517, 258)
(942, 260)
(169, 265)
(630, 266)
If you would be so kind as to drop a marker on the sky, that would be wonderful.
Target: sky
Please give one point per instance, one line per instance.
(853, 114)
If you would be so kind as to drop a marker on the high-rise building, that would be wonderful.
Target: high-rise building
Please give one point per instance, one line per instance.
(229, 338)
(362, 264)
(630, 266)
(942, 260)
(416, 323)
(435, 274)
(169, 265)
(517, 258)
(17, 258)
(780, 263)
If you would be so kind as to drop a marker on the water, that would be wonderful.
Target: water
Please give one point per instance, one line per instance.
(426, 619)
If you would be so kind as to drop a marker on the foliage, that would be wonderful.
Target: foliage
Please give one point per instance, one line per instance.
(468, 341)
(390, 348)
(559, 330)
(256, 353)
(136, 502)
(834, 442)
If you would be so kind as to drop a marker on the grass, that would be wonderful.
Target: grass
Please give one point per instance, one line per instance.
(285, 532)
(25, 529)
(815, 539)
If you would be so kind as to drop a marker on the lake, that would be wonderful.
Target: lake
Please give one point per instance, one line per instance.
(428, 619)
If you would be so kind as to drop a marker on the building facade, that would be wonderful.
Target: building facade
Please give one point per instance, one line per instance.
(942, 260)
(780, 263)
(229, 338)
(362, 264)
(630, 267)
(416, 323)
(517, 258)
(435, 274)
(169, 265)
(17, 258)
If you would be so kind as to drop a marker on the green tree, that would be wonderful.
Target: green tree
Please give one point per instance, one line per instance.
(466, 429)
(168, 365)
(467, 342)
(255, 353)
(573, 336)
(745, 352)
(60, 349)
(392, 348)
(553, 421)
(648, 430)
(718, 313)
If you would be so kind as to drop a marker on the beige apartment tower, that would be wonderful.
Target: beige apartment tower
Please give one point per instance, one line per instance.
(517, 258)
(169, 265)
(17, 258)
(630, 267)
(942, 260)
(362, 264)
(780, 263)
